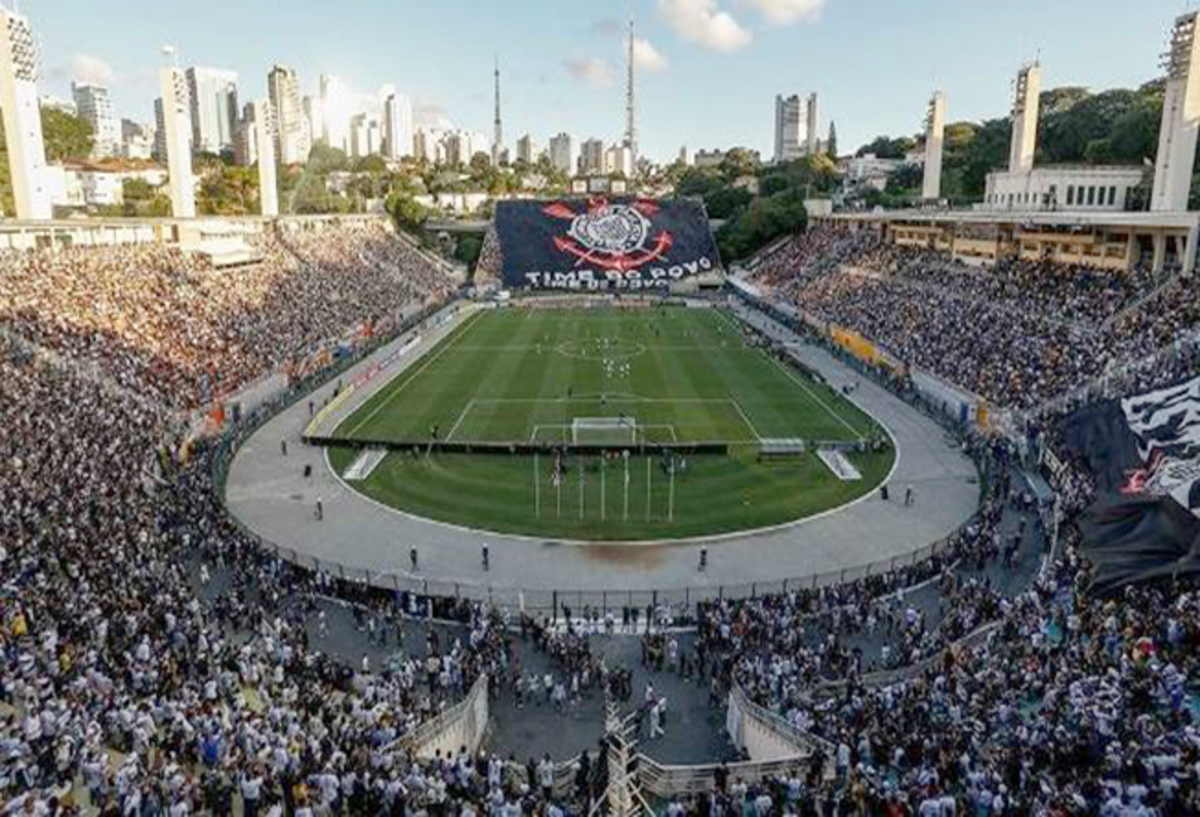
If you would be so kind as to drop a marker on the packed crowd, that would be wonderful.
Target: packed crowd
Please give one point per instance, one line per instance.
(1018, 333)
(132, 677)
(169, 325)
(805, 257)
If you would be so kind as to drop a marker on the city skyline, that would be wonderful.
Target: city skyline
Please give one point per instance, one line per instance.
(563, 71)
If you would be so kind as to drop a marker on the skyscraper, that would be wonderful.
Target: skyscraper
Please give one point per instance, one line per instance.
(336, 110)
(810, 127)
(245, 139)
(561, 157)
(22, 117)
(358, 136)
(591, 156)
(95, 106)
(177, 130)
(314, 112)
(213, 104)
(526, 149)
(160, 132)
(397, 127)
(787, 127)
(292, 138)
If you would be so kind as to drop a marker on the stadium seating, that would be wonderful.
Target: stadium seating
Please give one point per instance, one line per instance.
(1018, 334)
(153, 658)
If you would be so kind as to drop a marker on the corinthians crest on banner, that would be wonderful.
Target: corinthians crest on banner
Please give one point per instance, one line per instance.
(601, 243)
(1166, 427)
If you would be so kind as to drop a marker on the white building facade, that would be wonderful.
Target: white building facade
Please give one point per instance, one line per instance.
(292, 139)
(397, 127)
(93, 104)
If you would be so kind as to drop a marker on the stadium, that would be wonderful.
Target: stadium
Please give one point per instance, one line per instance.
(892, 511)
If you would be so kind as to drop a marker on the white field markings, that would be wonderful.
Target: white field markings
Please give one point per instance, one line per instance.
(461, 417)
(746, 420)
(791, 376)
(818, 399)
(432, 358)
(563, 429)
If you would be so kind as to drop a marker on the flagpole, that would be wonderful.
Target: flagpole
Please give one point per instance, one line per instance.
(558, 478)
(537, 488)
(581, 485)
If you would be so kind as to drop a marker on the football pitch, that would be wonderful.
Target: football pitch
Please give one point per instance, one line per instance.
(596, 377)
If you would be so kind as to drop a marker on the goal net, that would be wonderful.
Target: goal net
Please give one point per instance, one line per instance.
(604, 431)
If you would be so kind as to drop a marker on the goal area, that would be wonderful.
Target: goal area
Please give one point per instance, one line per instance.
(604, 431)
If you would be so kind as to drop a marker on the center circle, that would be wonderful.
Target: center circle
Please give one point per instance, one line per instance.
(600, 349)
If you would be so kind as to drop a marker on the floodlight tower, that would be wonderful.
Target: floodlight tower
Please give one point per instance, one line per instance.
(173, 89)
(1025, 118)
(935, 127)
(1180, 118)
(22, 117)
(264, 138)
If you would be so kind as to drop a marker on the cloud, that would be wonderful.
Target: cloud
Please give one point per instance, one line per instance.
(701, 21)
(595, 71)
(787, 12)
(86, 68)
(647, 57)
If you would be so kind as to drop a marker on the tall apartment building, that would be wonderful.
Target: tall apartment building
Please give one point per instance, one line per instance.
(94, 105)
(292, 139)
(527, 150)
(789, 114)
(397, 127)
(561, 157)
(591, 156)
(214, 108)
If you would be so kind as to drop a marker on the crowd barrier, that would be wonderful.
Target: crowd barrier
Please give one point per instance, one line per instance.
(462, 725)
(569, 602)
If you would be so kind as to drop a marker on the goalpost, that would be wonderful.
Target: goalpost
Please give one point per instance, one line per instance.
(604, 431)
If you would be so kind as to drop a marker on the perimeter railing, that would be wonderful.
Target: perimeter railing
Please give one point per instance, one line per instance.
(626, 606)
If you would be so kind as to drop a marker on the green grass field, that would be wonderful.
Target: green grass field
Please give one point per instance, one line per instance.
(671, 375)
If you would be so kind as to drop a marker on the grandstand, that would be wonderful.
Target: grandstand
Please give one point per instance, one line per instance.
(904, 519)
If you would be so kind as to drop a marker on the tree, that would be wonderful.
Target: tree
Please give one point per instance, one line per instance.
(408, 213)
(763, 221)
(698, 181)
(725, 202)
(135, 190)
(738, 162)
(885, 147)
(66, 137)
(831, 146)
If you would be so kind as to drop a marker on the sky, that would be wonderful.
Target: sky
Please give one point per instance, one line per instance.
(708, 70)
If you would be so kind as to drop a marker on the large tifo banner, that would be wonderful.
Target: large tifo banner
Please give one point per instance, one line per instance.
(1144, 454)
(602, 244)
